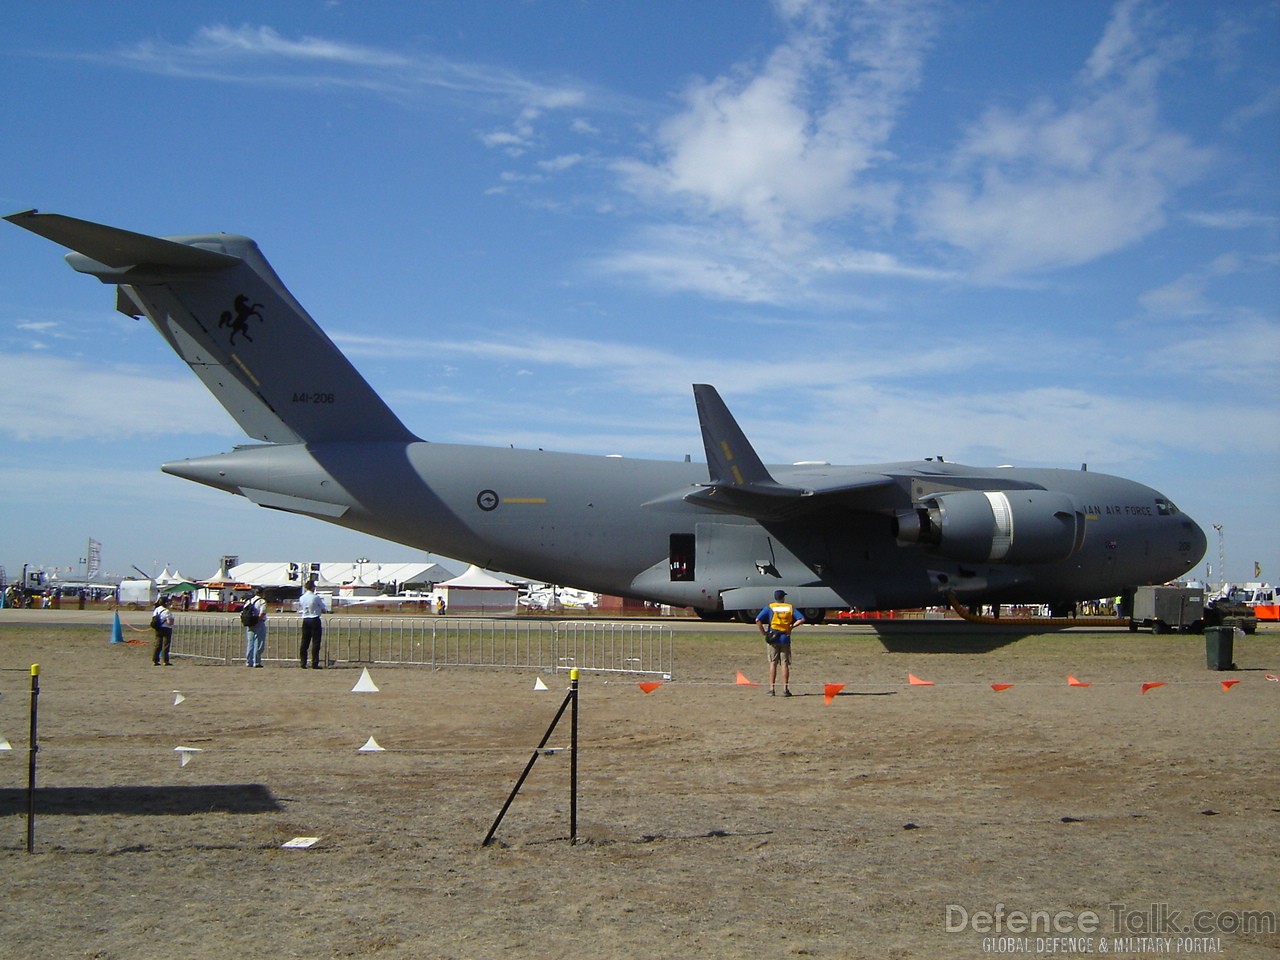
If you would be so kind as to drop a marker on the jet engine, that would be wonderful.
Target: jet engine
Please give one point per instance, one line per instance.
(1003, 526)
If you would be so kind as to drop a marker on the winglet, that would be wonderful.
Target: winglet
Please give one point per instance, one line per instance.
(731, 459)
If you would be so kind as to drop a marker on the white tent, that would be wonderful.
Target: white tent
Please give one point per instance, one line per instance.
(347, 578)
(478, 592)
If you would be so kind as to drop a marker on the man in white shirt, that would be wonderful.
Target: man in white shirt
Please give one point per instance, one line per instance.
(311, 605)
(162, 624)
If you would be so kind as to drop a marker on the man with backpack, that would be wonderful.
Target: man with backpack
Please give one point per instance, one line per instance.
(253, 616)
(162, 624)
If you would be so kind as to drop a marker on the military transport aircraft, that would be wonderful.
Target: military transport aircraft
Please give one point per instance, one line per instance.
(719, 538)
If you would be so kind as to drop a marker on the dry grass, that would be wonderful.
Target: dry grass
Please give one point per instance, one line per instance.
(713, 821)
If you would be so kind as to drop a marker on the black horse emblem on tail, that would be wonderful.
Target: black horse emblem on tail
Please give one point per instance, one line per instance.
(239, 322)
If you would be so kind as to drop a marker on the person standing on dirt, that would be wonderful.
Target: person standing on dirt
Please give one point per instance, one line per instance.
(253, 615)
(311, 605)
(162, 624)
(776, 621)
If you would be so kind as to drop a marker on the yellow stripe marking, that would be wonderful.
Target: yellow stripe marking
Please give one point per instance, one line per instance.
(247, 373)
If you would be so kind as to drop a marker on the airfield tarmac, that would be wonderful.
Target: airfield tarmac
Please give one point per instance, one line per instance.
(894, 821)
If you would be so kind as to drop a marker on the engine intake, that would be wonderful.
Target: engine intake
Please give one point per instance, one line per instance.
(1003, 526)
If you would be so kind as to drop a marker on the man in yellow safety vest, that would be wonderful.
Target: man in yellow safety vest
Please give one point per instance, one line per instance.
(776, 621)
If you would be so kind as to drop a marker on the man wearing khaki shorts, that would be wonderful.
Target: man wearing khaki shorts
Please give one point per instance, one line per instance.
(776, 621)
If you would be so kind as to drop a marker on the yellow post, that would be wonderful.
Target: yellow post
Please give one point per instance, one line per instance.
(573, 757)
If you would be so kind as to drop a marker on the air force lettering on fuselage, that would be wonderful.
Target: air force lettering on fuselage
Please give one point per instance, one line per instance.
(718, 537)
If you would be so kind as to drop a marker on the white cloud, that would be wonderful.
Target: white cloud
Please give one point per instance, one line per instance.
(39, 326)
(260, 55)
(220, 41)
(58, 398)
(1242, 354)
(1231, 219)
(1053, 186)
(784, 147)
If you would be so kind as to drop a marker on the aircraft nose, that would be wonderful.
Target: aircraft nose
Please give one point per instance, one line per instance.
(1199, 542)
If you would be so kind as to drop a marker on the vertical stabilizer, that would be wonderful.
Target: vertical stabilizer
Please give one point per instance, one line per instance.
(731, 460)
(221, 307)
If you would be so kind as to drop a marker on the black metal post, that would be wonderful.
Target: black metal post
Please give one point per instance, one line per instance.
(31, 761)
(571, 696)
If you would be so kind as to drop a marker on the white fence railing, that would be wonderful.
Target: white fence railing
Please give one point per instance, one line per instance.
(606, 647)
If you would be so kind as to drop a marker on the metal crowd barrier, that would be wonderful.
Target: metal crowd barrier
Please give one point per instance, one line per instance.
(640, 648)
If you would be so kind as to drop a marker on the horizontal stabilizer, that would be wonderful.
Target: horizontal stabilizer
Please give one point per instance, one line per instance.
(119, 249)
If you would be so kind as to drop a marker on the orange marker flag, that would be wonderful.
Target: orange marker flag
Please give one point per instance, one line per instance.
(997, 687)
(744, 682)
(1228, 684)
(649, 686)
(831, 690)
(1152, 686)
(1073, 682)
(917, 682)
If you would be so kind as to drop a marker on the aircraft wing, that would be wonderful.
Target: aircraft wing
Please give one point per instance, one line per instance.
(740, 482)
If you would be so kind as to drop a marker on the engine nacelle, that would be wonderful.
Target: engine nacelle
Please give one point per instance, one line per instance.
(1002, 526)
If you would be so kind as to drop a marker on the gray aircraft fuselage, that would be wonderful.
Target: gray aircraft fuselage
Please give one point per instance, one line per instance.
(717, 536)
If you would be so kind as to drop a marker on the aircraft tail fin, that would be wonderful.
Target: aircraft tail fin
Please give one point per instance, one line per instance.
(740, 482)
(731, 459)
(224, 311)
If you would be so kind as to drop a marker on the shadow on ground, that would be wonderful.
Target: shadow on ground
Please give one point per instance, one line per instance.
(159, 800)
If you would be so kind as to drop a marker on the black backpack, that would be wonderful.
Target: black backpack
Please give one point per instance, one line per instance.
(249, 615)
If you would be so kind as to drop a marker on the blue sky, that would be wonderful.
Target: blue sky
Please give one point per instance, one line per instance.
(1002, 232)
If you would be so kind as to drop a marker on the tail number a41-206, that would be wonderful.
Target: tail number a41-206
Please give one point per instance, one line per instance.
(317, 397)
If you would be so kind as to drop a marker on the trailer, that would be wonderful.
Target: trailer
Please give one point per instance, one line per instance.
(1166, 609)
(137, 594)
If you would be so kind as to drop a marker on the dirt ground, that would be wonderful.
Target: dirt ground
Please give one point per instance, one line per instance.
(895, 820)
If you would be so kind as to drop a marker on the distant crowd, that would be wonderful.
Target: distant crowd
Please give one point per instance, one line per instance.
(61, 598)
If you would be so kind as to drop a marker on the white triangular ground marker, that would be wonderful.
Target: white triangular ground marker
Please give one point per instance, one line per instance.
(184, 753)
(5, 744)
(300, 843)
(365, 684)
(371, 746)
(177, 698)
(540, 685)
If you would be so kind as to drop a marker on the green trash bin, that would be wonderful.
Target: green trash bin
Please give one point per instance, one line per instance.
(1218, 643)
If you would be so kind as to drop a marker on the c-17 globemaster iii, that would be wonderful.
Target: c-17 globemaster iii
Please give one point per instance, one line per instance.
(720, 538)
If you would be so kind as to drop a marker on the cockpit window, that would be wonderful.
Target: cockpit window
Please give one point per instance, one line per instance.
(1165, 507)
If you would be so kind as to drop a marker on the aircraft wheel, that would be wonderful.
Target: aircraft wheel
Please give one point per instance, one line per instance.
(814, 616)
